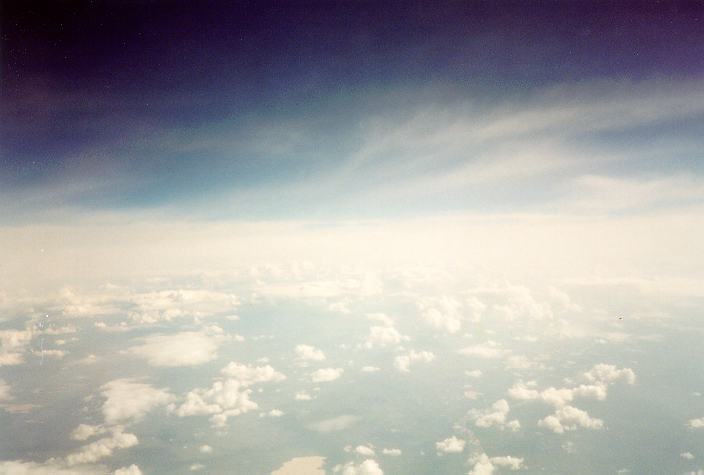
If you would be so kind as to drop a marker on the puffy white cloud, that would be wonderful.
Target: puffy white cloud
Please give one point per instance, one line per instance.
(309, 353)
(249, 375)
(102, 448)
(196, 467)
(477, 373)
(364, 450)
(86, 431)
(369, 369)
(687, 455)
(568, 418)
(451, 445)
(392, 452)
(131, 470)
(228, 396)
(13, 344)
(127, 400)
(181, 349)
(205, 449)
(696, 423)
(325, 375)
(368, 467)
(495, 417)
(606, 373)
(485, 465)
(403, 362)
(383, 336)
(443, 313)
(303, 396)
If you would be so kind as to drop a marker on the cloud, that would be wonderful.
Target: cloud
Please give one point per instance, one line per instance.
(335, 424)
(368, 467)
(325, 375)
(384, 334)
(687, 455)
(451, 445)
(205, 449)
(495, 417)
(488, 350)
(131, 470)
(12, 346)
(369, 369)
(127, 400)
(568, 418)
(229, 395)
(53, 467)
(102, 448)
(309, 353)
(180, 349)
(485, 465)
(86, 431)
(696, 423)
(403, 362)
(392, 452)
(443, 313)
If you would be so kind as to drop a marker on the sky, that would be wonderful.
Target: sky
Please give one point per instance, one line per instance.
(351, 237)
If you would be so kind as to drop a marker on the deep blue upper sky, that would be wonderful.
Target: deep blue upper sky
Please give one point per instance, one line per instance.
(98, 89)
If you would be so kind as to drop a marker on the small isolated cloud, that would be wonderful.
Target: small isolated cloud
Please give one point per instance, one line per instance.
(369, 369)
(696, 423)
(403, 362)
(485, 465)
(687, 455)
(131, 470)
(127, 400)
(309, 353)
(451, 445)
(368, 467)
(365, 450)
(335, 424)
(495, 417)
(325, 375)
(303, 396)
(13, 344)
(380, 336)
(180, 349)
(205, 449)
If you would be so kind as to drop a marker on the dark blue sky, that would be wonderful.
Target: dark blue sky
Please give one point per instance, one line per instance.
(131, 96)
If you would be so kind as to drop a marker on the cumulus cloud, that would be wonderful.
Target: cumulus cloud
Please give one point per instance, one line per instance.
(368, 467)
(309, 353)
(495, 416)
(403, 362)
(13, 344)
(205, 449)
(127, 400)
(687, 455)
(451, 445)
(485, 465)
(229, 395)
(380, 336)
(568, 418)
(181, 349)
(392, 452)
(325, 375)
(488, 350)
(102, 448)
(696, 423)
(52, 467)
(369, 369)
(131, 470)
(86, 431)
(442, 313)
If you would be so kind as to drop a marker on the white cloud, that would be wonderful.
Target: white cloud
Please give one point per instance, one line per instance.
(303, 396)
(13, 343)
(606, 373)
(325, 375)
(568, 418)
(228, 396)
(485, 465)
(131, 470)
(102, 448)
(196, 467)
(687, 455)
(368, 467)
(180, 349)
(477, 373)
(403, 362)
(309, 353)
(696, 423)
(86, 431)
(364, 450)
(52, 467)
(451, 445)
(369, 369)
(383, 336)
(392, 452)
(443, 313)
(495, 417)
(205, 449)
(127, 400)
